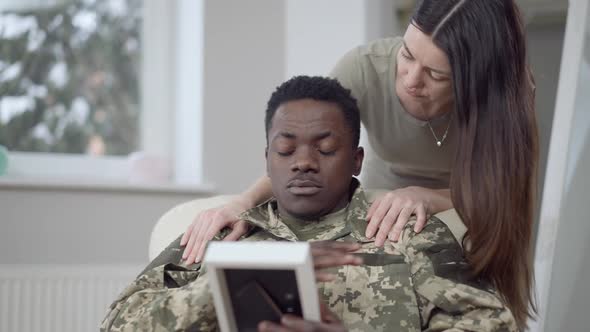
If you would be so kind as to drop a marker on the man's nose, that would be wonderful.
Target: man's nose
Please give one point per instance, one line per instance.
(305, 161)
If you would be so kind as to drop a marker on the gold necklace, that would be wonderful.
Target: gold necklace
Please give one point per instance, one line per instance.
(439, 142)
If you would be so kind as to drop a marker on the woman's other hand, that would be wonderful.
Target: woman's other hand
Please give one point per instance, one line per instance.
(332, 254)
(389, 213)
(210, 222)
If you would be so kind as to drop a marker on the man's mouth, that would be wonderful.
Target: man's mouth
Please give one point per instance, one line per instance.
(303, 187)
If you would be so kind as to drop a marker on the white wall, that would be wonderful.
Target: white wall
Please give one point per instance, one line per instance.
(569, 290)
(244, 62)
(569, 293)
(545, 43)
(562, 267)
(318, 33)
(71, 226)
(251, 47)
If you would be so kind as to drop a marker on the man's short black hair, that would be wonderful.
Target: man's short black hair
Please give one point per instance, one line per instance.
(320, 89)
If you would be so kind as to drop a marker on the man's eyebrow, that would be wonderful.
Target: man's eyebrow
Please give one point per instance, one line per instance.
(442, 72)
(289, 135)
(284, 134)
(323, 135)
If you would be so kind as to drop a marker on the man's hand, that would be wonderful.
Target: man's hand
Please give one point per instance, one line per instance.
(290, 323)
(325, 254)
(210, 222)
(332, 254)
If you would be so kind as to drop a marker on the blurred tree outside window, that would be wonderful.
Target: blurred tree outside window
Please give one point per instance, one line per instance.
(69, 77)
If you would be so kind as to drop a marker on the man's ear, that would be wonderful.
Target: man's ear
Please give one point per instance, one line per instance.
(359, 155)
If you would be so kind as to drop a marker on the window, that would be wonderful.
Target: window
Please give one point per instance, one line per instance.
(69, 78)
(93, 88)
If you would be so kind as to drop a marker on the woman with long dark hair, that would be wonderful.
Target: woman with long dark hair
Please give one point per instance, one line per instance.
(449, 112)
(493, 175)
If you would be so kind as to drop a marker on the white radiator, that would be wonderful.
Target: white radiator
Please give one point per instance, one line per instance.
(61, 298)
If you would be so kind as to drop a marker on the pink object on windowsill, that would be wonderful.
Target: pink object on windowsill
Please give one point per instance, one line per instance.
(148, 168)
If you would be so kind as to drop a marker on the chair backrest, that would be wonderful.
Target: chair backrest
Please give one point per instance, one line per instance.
(176, 220)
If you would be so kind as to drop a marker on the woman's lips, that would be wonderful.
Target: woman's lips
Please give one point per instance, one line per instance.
(413, 93)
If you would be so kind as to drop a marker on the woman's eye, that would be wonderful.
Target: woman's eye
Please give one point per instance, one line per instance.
(437, 77)
(407, 56)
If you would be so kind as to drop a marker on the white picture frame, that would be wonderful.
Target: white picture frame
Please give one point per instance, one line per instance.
(222, 257)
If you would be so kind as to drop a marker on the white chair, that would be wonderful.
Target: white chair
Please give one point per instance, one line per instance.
(176, 220)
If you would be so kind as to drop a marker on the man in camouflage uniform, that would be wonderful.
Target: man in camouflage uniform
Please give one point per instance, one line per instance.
(420, 283)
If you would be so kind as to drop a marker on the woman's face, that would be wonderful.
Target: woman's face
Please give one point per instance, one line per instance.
(424, 81)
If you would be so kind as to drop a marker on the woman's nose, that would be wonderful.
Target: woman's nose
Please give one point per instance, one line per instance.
(413, 79)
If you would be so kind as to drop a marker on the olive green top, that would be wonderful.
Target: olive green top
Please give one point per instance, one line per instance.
(405, 150)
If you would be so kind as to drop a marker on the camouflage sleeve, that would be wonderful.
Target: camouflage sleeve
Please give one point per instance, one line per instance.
(449, 300)
(167, 296)
(147, 305)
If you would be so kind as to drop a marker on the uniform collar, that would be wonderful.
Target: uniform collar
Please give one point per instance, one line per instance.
(265, 216)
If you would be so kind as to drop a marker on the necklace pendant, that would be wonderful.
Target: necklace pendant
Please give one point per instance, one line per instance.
(438, 143)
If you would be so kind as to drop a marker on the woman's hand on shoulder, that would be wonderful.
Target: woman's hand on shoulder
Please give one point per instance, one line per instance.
(210, 222)
(390, 212)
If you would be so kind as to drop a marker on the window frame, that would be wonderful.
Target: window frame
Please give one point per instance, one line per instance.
(171, 114)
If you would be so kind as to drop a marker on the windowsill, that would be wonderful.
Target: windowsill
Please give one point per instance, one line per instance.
(71, 184)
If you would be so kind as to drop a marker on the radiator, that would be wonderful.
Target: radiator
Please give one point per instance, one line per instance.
(61, 298)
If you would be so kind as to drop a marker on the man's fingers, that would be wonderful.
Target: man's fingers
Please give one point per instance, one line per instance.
(338, 246)
(324, 276)
(326, 314)
(266, 326)
(322, 262)
(295, 323)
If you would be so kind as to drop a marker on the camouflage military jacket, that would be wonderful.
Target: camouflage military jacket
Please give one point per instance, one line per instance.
(420, 283)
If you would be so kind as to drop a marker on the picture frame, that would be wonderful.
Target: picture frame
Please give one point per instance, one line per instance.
(255, 281)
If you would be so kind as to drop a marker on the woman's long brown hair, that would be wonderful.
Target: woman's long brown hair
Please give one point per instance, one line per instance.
(493, 181)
